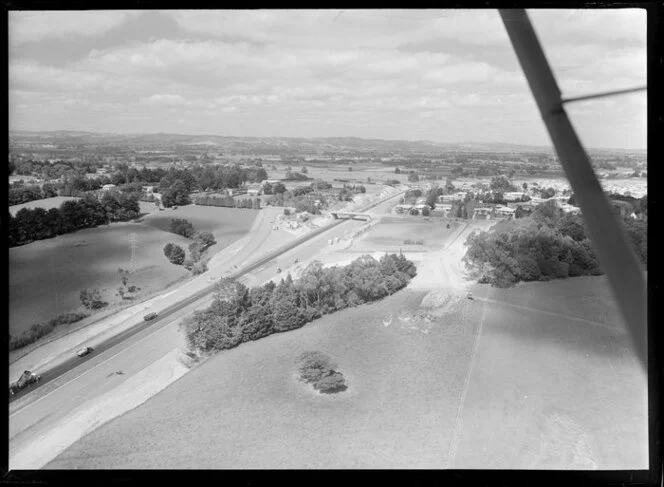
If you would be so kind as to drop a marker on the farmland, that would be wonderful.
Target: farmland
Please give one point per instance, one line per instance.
(424, 392)
(226, 224)
(47, 276)
(391, 233)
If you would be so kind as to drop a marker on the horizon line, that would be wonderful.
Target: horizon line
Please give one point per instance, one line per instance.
(538, 146)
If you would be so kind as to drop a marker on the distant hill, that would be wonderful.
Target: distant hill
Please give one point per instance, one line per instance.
(276, 144)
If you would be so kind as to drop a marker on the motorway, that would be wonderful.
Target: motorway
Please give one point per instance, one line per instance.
(80, 380)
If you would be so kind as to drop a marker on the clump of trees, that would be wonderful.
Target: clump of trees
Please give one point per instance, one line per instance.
(501, 184)
(181, 226)
(550, 244)
(174, 253)
(91, 299)
(39, 330)
(175, 195)
(37, 223)
(349, 190)
(318, 370)
(296, 176)
(240, 314)
(19, 193)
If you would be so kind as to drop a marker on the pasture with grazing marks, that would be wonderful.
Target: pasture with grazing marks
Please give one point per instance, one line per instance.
(226, 224)
(47, 276)
(483, 386)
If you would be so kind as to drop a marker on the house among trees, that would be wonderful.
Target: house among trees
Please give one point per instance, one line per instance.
(148, 189)
(254, 189)
(482, 213)
(512, 196)
(505, 212)
(108, 187)
(403, 209)
(451, 198)
(441, 210)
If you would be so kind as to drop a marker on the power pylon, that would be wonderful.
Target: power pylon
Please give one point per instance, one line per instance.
(133, 241)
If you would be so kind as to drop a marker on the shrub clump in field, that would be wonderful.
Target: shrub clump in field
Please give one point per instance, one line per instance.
(174, 253)
(91, 299)
(39, 330)
(318, 370)
(181, 226)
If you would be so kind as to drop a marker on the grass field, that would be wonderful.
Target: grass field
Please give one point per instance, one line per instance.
(46, 203)
(531, 392)
(47, 276)
(226, 224)
(391, 232)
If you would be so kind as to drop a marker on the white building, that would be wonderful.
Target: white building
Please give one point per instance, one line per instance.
(108, 187)
(505, 212)
(482, 213)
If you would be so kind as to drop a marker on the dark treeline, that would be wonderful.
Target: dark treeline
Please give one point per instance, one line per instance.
(19, 194)
(240, 314)
(550, 244)
(228, 202)
(88, 212)
(52, 170)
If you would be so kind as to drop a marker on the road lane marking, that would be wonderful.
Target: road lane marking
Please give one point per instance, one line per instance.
(93, 368)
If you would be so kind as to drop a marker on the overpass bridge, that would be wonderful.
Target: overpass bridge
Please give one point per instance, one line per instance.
(348, 215)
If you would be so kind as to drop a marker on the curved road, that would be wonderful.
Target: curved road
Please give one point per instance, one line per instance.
(79, 380)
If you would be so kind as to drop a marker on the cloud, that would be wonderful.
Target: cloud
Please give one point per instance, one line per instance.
(380, 73)
(37, 26)
(166, 100)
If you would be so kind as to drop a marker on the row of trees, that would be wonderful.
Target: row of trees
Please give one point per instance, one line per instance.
(276, 188)
(88, 212)
(240, 314)
(19, 194)
(550, 244)
(51, 170)
(228, 202)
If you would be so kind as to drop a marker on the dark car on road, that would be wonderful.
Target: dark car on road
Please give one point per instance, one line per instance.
(150, 316)
(24, 381)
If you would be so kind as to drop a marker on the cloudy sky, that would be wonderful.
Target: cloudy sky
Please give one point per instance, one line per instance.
(440, 75)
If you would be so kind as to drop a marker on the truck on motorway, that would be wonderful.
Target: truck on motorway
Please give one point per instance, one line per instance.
(25, 380)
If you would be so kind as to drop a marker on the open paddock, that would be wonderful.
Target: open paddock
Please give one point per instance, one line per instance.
(226, 224)
(483, 385)
(46, 277)
(392, 233)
